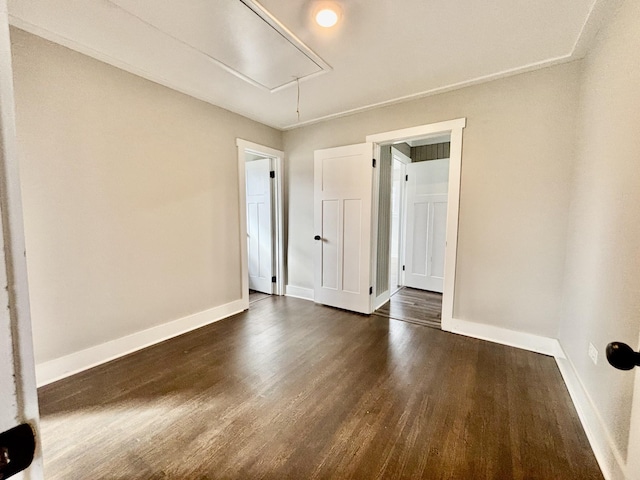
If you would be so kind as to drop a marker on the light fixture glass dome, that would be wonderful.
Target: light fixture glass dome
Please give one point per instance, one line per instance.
(326, 17)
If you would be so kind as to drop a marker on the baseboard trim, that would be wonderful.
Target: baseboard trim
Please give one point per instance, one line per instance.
(503, 336)
(299, 292)
(611, 462)
(58, 368)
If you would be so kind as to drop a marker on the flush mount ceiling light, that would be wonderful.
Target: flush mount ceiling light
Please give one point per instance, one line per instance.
(327, 14)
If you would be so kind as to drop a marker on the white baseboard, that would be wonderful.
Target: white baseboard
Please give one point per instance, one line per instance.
(299, 292)
(504, 336)
(611, 462)
(75, 362)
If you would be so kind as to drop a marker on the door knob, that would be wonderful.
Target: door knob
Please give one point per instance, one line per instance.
(317, 237)
(621, 356)
(17, 447)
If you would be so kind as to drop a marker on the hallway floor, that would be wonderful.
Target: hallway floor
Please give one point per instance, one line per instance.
(414, 306)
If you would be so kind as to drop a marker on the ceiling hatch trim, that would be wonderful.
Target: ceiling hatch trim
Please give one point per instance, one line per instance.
(265, 15)
(240, 36)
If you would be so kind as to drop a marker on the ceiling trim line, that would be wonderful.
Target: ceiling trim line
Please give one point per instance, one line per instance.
(438, 90)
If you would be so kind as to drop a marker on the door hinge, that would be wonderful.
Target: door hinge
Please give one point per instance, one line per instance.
(406, 178)
(272, 174)
(374, 163)
(403, 268)
(273, 279)
(370, 290)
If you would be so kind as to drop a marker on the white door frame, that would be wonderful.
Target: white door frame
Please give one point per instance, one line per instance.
(245, 146)
(454, 128)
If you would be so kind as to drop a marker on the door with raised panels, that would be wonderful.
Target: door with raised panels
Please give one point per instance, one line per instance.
(343, 180)
(426, 224)
(259, 225)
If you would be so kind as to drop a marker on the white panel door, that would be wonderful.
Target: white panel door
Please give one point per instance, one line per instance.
(397, 208)
(343, 179)
(259, 232)
(18, 396)
(426, 224)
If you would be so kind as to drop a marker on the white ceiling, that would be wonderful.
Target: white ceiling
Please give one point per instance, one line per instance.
(383, 51)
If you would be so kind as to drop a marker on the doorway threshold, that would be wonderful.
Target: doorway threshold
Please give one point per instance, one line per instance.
(414, 306)
(255, 296)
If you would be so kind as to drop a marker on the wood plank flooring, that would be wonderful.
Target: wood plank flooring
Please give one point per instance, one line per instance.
(294, 390)
(415, 306)
(255, 296)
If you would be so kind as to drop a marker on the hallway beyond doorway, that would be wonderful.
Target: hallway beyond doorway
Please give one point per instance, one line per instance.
(414, 306)
(255, 296)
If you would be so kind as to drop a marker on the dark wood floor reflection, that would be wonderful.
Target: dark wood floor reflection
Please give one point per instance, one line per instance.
(255, 296)
(415, 306)
(293, 390)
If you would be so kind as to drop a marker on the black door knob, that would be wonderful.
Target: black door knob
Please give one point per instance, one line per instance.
(317, 237)
(621, 356)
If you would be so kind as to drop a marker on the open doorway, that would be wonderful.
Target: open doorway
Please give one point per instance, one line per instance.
(261, 221)
(417, 196)
(417, 174)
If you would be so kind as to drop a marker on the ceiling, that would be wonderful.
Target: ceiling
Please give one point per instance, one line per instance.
(383, 51)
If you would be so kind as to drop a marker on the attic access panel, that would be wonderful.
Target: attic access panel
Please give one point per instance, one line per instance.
(241, 36)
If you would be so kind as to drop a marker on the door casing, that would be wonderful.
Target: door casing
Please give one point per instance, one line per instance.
(454, 128)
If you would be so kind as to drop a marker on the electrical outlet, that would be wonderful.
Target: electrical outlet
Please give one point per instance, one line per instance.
(593, 353)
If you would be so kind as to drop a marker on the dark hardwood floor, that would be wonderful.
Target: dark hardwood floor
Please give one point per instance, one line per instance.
(294, 390)
(255, 296)
(415, 306)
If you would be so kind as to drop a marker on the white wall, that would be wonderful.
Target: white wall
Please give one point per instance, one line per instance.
(602, 283)
(130, 198)
(518, 149)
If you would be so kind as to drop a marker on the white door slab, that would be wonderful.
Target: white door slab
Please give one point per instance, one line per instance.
(426, 224)
(397, 208)
(343, 179)
(18, 397)
(259, 225)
